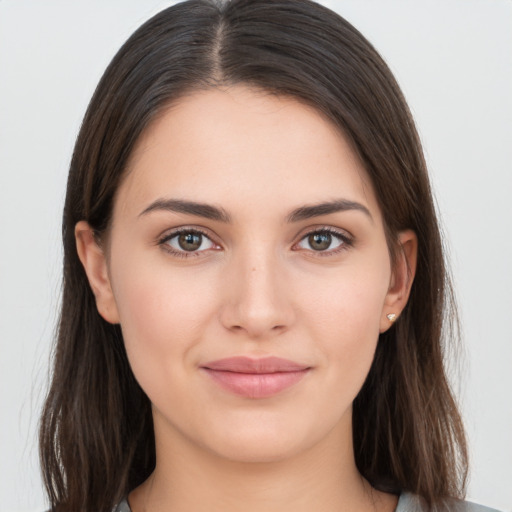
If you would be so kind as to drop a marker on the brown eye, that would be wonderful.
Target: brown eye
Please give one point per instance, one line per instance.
(190, 241)
(187, 241)
(320, 241)
(325, 241)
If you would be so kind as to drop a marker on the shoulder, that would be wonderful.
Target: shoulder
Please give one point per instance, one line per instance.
(410, 503)
(123, 507)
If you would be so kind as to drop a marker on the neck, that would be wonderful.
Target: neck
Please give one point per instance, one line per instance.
(324, 477)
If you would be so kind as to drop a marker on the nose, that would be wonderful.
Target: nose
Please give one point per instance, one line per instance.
(257, 298)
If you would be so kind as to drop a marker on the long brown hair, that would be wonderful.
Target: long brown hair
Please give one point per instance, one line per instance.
(96, 431)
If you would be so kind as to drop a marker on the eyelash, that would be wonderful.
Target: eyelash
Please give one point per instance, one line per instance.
(163, 242)
(346, 241)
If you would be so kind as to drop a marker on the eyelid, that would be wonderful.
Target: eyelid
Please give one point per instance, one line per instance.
(171, 233)
(346, 237)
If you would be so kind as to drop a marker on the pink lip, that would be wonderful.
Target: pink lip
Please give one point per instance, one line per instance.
(255, 378)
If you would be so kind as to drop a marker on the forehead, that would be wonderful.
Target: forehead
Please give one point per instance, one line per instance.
(237, 146)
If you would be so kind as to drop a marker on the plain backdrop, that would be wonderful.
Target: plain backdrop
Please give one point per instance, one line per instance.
(453, 59)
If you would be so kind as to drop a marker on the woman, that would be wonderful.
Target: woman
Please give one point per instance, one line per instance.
(254, 288)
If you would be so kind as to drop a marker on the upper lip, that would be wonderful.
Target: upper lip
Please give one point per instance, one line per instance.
(244, 364)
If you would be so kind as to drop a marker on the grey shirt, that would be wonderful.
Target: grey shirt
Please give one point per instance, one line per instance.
(410, 503)
(406, 503)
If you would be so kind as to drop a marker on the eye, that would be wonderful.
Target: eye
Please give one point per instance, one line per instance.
(325, 240)
(187, 242)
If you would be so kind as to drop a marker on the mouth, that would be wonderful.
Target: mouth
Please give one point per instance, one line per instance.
(255, 378)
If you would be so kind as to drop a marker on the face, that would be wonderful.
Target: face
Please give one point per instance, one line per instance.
(248, 267)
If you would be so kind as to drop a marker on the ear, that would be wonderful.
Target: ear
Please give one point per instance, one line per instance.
(94, 261)
(402, 276)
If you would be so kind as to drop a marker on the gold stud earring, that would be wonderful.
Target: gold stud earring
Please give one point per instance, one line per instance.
(391, 317)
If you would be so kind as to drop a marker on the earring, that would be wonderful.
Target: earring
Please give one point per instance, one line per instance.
(391, 317)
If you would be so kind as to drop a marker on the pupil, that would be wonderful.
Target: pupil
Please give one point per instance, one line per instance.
(190, 241)
(320, 241)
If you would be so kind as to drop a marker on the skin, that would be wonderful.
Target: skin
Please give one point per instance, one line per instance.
(255, 287)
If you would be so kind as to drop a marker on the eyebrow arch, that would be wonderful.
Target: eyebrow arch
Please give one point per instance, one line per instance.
(338, 205)
(219, 214)
(191, 207)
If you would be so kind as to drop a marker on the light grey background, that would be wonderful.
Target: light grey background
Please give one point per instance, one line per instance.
(453, 59)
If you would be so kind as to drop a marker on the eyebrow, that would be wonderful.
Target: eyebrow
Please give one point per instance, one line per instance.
(316, 210)
(207, 211)
(211, 212)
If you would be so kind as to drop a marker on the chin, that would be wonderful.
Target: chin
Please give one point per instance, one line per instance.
(257, 449)
(259, 441)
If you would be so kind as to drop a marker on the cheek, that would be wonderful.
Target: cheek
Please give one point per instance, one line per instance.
(348, 300)
(162, 315)
(343, 317)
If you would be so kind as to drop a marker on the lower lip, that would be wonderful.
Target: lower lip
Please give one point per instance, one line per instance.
(256, 385)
